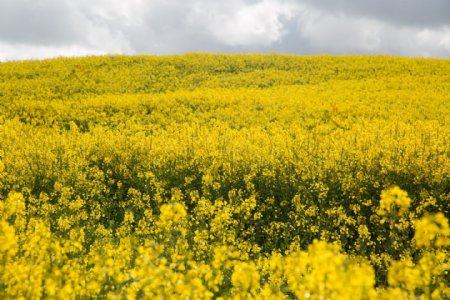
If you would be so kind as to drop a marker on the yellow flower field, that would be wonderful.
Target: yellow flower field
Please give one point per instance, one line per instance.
(206, 176)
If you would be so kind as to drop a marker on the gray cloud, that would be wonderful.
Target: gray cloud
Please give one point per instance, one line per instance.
(415, 13)
(38, 22)
(47, 28)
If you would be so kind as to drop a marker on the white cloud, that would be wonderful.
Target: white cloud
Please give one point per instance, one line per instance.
(248, 24)
(103, 39)
(439, 38)
(125, 13)
(24, 51)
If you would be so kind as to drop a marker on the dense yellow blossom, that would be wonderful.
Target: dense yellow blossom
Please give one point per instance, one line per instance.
(432, 230)
(225, 177)
(394, 199)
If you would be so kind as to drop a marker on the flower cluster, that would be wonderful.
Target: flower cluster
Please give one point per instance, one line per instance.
(225, 176)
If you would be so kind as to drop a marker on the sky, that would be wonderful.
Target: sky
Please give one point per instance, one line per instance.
(31, 29)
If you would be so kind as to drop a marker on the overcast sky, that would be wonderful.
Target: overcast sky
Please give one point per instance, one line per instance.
(48, 28)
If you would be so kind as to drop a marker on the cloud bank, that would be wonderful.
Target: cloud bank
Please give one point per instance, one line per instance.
(49, 28)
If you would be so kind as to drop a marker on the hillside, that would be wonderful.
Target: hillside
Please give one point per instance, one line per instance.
(208, 176)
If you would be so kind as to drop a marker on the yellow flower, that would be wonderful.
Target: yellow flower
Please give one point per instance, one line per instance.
(394, 199)
(8, 240)
(245, 277)
(432, 231)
